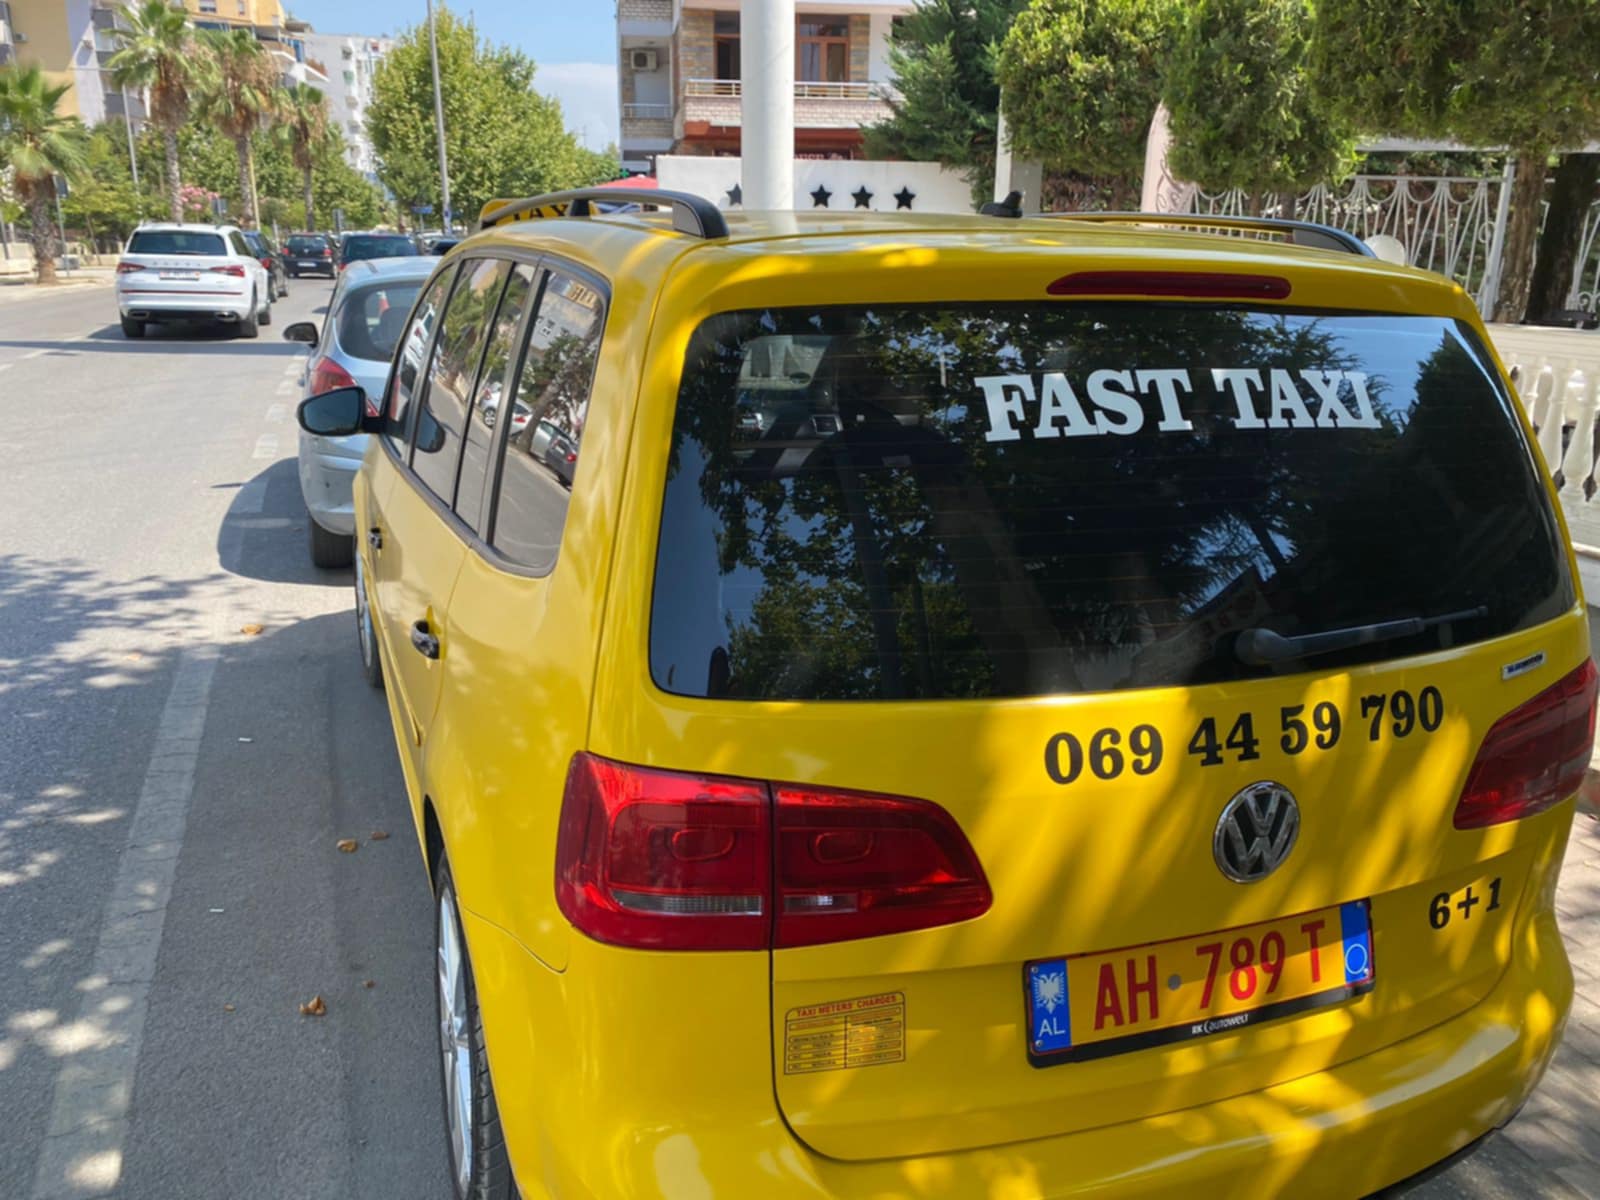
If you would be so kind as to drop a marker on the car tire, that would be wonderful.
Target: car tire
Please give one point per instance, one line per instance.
(250, 326)
(283, 288)
(132, 328)
(366, 634)
(329, 550)
(480, 1169)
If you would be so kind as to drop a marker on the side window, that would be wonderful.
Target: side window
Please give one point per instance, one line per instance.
(493, 382)
(442, 419)
(542, 456)
(408, 365)
(240, 246)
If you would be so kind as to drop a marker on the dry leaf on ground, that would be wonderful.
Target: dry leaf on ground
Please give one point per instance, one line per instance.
(379, 835)
(347, 845)
(369, 983)
(316, 1008)
(252, 629)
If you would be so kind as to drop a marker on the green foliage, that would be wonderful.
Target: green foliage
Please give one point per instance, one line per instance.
(1081, 80)
(942, 56)
(156, 50)
(37, 143)
(1244, 112)
(103, 202)
(1518, 73)
(502, 137)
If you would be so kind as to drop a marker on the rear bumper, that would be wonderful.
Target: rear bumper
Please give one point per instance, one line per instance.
(328, 469)
(657, 1104)
(153, 305)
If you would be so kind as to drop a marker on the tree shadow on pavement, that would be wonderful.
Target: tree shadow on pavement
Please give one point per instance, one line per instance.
(264, 534)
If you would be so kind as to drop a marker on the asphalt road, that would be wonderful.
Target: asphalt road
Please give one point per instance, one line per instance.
(172, 789)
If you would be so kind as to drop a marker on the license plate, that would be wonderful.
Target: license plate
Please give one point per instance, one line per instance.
(1085, 1006)
(180, 274)
(308, 263)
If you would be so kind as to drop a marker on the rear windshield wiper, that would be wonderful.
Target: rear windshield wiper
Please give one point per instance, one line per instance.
(1262, 647)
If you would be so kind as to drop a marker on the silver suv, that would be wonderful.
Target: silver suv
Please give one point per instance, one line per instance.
(187, 272)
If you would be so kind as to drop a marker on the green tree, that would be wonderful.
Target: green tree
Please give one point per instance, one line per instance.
(942, 56)
(239, 93)
(38, 143)
(103, 200)
(1522, 74)
(303, 126)
(156, 51)
(502, 137)
(1080, 80)
(1244, 112)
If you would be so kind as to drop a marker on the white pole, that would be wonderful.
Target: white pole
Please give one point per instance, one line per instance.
(438, 124)
(127, 121)
(1489, 294)
(766, 136)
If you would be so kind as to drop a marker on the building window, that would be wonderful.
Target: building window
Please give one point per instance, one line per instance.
(824, 50)
(726, 31)
(208, 6)
(243, 11)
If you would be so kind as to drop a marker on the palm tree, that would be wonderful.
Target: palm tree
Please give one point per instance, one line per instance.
(304, 126)
(240, 94)
(38, 143)
(156, 51)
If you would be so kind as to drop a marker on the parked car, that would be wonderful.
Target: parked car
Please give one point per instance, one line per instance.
(310, 254)
(266, 250)
(353, 348)
(187, 272)
(357, 246)
(1111, 727)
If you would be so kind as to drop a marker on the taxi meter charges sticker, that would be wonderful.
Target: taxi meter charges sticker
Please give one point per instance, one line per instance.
(1086, 1006)
(864, 1032)
(1049, 405)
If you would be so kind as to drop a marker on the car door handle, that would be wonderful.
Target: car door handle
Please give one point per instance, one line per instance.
(423, 640)
(375, 538)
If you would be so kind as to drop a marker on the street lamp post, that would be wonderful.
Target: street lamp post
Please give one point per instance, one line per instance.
(127, 122)
(438, 123)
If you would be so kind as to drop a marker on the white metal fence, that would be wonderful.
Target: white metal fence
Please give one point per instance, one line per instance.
(1454, 225)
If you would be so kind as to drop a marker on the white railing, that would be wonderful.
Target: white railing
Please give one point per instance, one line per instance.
(863, 89)
(647, 112)
(1557, 377)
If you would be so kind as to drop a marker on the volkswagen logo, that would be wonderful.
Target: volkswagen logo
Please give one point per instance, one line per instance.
(1256, 832)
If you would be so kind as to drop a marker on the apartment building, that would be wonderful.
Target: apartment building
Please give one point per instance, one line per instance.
(679, 76)
(351, 60)
(281, 35)
(70, 41)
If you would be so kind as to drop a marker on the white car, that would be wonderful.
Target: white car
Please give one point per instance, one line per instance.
(173, 272)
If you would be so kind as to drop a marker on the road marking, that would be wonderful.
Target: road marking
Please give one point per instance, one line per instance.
(286, 388)
(81, 1154)
(293, 369)
(252, 497)
(275, 413)
(6, 366)
(266, 446)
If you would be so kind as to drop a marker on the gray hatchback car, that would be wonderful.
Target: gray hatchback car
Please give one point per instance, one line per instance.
(354, 347)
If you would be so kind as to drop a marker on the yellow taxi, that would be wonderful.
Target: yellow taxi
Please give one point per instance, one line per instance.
(968, 707)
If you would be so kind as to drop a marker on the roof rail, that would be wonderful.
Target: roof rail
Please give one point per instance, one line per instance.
(1300, 233)
(694, 215)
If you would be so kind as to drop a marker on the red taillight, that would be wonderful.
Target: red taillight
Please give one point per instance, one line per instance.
(128, 268)
(267, 263)
(325, 252)
(851, 865)
(326, 375)
(233, 269)
(1212, 285)
(659, 859)
(675, 861)
(1534, 757)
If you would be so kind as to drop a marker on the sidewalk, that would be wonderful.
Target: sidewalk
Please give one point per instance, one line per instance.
(20, 287)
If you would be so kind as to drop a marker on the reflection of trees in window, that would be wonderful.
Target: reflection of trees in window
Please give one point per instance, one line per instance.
(559, 365)
(894, 551)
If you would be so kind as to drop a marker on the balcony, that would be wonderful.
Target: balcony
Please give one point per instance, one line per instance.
(640, 121)
(817, 105)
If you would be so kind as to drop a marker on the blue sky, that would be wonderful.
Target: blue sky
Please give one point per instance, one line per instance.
(575, 45)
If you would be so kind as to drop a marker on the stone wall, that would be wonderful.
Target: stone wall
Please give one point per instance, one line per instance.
(696, 48)
(860, 46)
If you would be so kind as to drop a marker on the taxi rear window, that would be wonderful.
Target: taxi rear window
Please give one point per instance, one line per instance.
(1017, 500)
